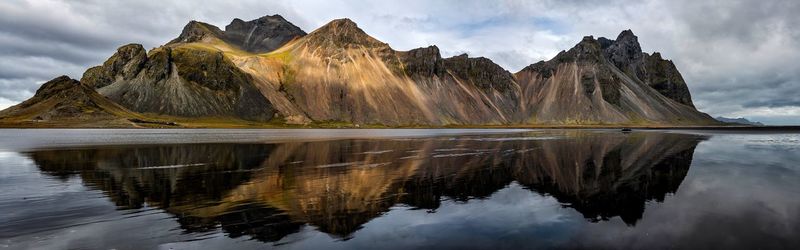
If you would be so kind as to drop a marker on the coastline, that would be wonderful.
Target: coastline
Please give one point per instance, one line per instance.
(236, 125)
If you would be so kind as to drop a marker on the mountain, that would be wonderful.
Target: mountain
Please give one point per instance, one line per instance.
(739, 121)
(66, 102)
(596, 82)
(179, 80)
(261, 35)
(662, 75)
(268, 70)
(339, 73)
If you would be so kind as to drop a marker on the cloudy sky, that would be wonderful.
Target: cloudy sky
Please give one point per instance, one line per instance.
(741, 58)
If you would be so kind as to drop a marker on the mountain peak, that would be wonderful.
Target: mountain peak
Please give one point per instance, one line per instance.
(587, 49)
(127, 63)
(261, 20)
(195, 31)
(343, 33)
(588, 43)
(626, 34)
(341, 26)
(261, 35)
(343, 22)
(625, 50)
(269, 18)
(57, 85)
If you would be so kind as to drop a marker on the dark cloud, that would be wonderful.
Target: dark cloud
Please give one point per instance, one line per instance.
(15, 87)
(739, 57)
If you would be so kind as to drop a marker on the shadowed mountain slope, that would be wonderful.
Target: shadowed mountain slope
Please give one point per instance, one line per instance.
(179, 80)
(585, 85)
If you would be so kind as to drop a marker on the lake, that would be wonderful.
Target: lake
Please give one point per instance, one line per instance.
(398, 189)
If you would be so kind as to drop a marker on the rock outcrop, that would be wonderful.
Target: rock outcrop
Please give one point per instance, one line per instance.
(125, 64)
(196, 31)
(182, 81)
(662, 75)
(262, 35)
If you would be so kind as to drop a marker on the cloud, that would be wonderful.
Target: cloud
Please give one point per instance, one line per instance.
(737, 56)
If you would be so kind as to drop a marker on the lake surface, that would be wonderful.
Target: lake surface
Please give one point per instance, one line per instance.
(398, 189)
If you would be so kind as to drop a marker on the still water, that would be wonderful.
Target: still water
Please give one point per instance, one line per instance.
(398, 189)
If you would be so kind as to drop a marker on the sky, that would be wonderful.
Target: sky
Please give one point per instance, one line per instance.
(740, 58)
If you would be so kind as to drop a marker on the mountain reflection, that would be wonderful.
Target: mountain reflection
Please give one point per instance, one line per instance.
(268, 191)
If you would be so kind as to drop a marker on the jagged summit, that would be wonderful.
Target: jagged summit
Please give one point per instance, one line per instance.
(126, 63)
(424, 62)
(587, 50)
(607, 81)
(340, 23)
(626, 34)
(481, 71)
(262, 20)
(626, 54)
(261, 35)
(56, 86)
(342, 33)
(195, 31)
(625, 51)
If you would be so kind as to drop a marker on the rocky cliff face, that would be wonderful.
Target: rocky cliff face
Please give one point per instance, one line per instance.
(196, 31)
(597, 82)
(261, 35)
(125, 64)
(662, 75)
(179, 81)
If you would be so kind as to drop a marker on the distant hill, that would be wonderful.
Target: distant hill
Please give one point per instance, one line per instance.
(65, 102)
(740, 120)
(269, 71)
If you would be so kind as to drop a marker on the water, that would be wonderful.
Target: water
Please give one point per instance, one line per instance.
(398, 189)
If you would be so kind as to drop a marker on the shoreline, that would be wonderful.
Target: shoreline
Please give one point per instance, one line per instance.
(348, 126)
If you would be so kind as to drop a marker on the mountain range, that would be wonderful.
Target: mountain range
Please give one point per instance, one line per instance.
(268, 71)
(738, 121)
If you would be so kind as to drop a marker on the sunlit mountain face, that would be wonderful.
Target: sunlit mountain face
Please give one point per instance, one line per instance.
(270, 191)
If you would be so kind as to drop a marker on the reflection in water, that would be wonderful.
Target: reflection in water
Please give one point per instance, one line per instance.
(269, 191)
